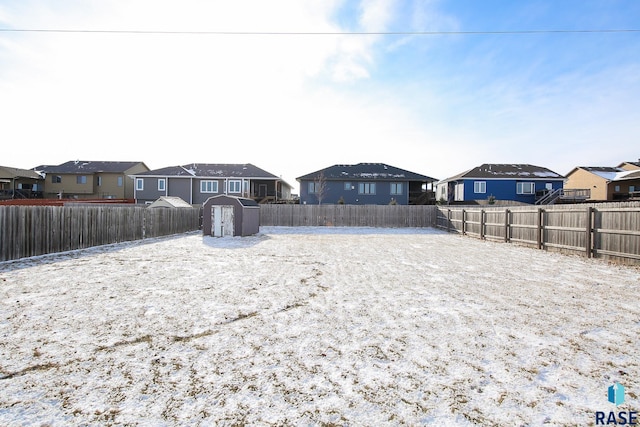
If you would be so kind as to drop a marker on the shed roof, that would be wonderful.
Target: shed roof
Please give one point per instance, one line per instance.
(169, 202)
(366, 171)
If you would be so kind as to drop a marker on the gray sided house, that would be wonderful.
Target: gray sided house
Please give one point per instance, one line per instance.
(366, 184)
(196, 182)
(90, 179)
(522, 183)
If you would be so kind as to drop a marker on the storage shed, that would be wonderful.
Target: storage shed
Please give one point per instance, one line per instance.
(224, 215)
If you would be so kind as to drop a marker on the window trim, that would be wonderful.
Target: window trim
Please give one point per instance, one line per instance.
(396, 189)
(520, 188)
(162, 187)
(205, 183)
(139, 184)
(235, 182)
(479, 187)
(367, 188)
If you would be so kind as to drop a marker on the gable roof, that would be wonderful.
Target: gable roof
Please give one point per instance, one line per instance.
(506, 171)
(212, 170)
(636, 164)
(366, 171)
(12, 173)
(169, 202)
(84, 167)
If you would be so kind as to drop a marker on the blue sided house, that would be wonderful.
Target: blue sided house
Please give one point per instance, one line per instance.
(366, 184)
(522, 183)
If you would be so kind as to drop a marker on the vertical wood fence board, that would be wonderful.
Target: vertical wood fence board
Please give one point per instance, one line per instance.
(37, 230)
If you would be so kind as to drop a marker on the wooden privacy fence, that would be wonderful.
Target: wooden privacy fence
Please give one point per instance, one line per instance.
(36, 230)
(348, 215)
(590, 230)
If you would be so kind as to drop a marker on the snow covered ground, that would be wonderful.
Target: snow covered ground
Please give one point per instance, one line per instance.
(316, 326)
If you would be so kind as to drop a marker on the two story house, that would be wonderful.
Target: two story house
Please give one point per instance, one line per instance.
(522, 183)
(365, 184)
(196, 182)
(90, 179)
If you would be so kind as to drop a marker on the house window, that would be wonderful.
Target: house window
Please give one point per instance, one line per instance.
(99, 181)
(347, 186)
(208, 186)
(632, 188)
(616, 188)
(525, 188)
(161, 184)
(367, 188)
(235, 186)
(56, 179)
(120, 181)
(396, 188)
(314, 187)
(139, 184)
(81, 179)
(480, 187)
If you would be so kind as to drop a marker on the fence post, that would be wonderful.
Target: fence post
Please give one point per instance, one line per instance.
(506, 226)
(448, 220)
(481, 224)
(540, 237)
(463, 224)
(589, 230)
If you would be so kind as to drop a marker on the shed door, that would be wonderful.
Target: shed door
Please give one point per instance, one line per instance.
(222, 221)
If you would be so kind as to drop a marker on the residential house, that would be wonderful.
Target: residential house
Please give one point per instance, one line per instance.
(20, 183)
(488, 182)
(196, 182)
(91, 179)
(606, 182)
(366, 184)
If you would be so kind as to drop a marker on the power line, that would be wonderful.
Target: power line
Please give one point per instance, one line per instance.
(318, 33)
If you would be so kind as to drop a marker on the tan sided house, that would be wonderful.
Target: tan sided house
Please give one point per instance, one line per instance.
(606, 183)
(91, 179)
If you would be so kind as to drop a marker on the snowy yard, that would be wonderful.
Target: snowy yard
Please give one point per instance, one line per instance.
(316, 326)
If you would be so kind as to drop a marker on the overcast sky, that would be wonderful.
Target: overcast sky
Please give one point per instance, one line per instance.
(159, 83)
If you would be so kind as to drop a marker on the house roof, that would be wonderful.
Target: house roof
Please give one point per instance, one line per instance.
(13, 173)
(366, 171)
(636, 164)
(506, 171)
(212, 170)
(84, 167)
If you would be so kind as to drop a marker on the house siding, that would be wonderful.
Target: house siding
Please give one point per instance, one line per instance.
(582, 179)
(506, 189)
(336, 189)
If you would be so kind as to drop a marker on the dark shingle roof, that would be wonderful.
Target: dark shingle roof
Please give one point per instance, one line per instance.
(212, 170)
(507, 170)
(80, 166)
(367, 171)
